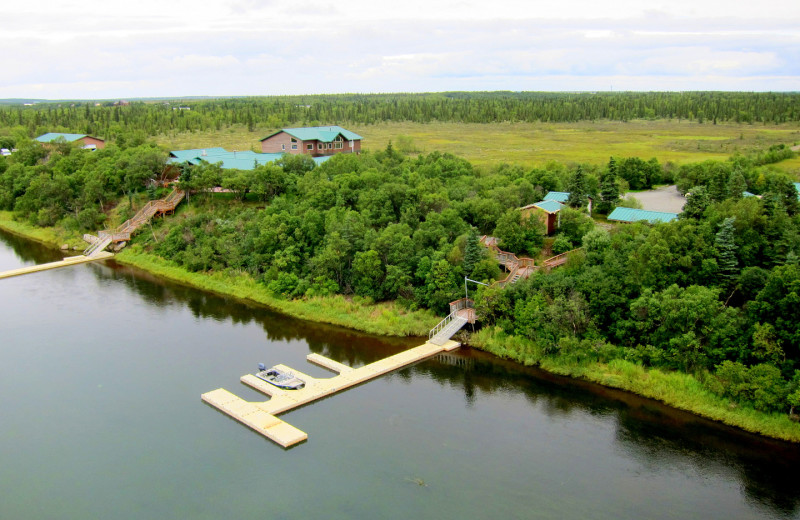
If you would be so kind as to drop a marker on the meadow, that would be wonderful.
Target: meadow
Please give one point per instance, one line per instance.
(536, 144)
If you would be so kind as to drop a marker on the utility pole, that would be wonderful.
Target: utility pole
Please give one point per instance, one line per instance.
(466, 294)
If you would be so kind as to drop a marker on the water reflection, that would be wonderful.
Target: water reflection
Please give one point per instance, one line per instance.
(343, 345)
(653, 434)
(647, 434)
(29, 252)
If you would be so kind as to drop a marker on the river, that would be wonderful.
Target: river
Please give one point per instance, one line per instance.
(100, 417)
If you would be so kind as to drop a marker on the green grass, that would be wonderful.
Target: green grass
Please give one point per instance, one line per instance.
(387, 318)
(536, 144)
(676, 389)
(55, 237)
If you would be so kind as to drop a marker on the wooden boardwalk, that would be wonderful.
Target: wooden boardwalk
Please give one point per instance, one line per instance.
(123, 232)
(261, 416)
(72, 260)
(521, 267)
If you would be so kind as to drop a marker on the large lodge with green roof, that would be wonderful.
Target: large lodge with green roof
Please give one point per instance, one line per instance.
(315, 141)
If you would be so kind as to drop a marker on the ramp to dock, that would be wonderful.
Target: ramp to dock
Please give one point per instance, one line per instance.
(72, 260)
(261, 416)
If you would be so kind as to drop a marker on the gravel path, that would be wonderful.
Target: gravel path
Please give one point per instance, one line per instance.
(666, 198)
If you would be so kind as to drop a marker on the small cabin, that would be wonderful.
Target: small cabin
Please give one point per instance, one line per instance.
(87, 141)
(545, 210)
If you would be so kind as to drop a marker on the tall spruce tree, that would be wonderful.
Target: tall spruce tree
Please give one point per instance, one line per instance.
(473, 252)
(726, 253)
(609, 189)
(577, 189)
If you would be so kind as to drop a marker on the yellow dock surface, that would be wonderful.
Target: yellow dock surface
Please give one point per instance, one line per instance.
(261, 416)
(71, 260)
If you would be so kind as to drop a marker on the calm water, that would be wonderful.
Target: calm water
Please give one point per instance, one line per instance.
(100, 417)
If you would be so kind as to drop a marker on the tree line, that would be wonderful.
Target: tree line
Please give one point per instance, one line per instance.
(714, 293)
(109, 121)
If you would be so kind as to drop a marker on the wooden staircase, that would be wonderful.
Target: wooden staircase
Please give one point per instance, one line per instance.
(520, 268)
(123, 232)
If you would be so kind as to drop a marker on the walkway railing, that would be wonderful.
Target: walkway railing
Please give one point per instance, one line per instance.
(561, 259)
(123, 232)
(517, 267)
(442, 324)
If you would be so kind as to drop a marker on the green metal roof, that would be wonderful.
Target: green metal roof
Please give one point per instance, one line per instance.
(747, 194)
(634, 215)
(797, 187)
(560, 196)
(179, 156)
(244, 160)
(52, 136)
(325, 134)
(550, 206)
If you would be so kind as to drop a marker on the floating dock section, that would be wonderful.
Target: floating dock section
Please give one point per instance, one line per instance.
(261, 416)
(71, 260)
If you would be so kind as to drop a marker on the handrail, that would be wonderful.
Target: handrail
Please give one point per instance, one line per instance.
(441, 325)
(462, 303)
(509, 260)
(124, 230)
(556, 260)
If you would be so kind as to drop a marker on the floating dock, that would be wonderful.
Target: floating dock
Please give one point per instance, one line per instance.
(71, 260)
(261, 416)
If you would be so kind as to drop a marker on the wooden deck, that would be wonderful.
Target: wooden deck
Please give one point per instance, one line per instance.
(261, 416)
(72, 260)
(520, 268)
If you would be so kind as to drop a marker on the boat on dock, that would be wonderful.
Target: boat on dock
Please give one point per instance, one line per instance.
(280, 378)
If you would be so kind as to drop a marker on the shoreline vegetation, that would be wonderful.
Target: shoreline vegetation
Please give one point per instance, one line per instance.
(676, 389)
(700, 313)
(386, 318)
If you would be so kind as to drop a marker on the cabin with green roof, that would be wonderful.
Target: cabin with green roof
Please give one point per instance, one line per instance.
(88, 142)
(545, 210)
(315, 141)
(621, 214)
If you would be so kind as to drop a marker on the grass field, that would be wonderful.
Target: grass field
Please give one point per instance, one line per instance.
(536, 144)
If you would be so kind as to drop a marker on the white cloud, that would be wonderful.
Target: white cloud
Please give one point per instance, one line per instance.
(240, 47)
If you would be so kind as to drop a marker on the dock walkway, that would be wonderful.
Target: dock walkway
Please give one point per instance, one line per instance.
(261, 416)
(71, 260)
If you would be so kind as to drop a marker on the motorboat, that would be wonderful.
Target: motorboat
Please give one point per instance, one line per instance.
(280, 378)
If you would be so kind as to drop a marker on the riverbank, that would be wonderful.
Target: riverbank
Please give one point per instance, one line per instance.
(675, 389)
(681, 391)
(386, 319)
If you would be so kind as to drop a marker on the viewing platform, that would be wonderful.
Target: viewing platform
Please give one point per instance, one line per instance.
(261, 416)
(71, 260)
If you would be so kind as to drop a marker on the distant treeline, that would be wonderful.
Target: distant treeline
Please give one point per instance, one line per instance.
(152, 118)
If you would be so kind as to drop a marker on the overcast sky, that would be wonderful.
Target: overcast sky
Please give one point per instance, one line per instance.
(146, 48)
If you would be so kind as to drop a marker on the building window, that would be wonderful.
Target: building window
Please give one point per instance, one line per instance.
(283, 147)
(309, 147)
(294, 140)
(294, 147)
(319, 146)
(338, 145)
(329, 146)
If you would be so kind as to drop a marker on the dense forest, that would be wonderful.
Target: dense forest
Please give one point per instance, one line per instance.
(714, 293)
(109, 120)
